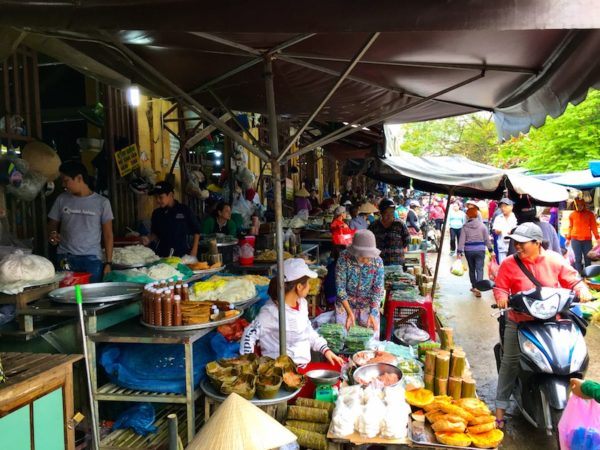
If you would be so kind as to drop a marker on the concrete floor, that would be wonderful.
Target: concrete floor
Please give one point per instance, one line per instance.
(477, 332)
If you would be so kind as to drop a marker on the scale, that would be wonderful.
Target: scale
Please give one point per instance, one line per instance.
(324, 381)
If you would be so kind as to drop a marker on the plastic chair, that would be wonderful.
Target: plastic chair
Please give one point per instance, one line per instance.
(421, 314)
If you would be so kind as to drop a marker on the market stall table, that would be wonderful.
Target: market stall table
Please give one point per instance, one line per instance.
(36, 402)
(257, 268)
(132, 332)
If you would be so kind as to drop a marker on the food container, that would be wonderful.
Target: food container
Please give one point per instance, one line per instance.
(323, 377)
(74, 278)
(268, 387)
(371, 371)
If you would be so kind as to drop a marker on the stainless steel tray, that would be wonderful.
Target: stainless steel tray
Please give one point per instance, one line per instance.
(98, 293)
(208, 271)
(282, 396)
(118, 266)
(200, 326)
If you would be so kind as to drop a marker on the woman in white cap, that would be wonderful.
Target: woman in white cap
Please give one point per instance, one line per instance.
(359, 279)
(550, 270)
(300, 335)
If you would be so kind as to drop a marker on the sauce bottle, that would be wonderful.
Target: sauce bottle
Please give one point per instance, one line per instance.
(167, 308)
(177, 316)
(158, 318)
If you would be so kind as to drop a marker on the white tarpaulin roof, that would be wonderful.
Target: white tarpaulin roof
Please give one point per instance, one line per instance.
(578, 179)
(461, 176)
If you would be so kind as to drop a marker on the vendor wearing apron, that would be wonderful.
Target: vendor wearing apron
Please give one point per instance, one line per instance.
(78, 221)
(220, 221)
(359, 280)
(172, 224)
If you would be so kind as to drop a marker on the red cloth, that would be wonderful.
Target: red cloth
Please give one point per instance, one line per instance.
(550, 269)
(341, 233)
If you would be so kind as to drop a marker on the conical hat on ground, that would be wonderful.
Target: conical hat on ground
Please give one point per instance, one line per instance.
(238, 424)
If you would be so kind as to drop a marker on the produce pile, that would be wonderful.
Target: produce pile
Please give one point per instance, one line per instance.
(371, 413)
(461, 423)
(250, 376)
(133, 255)
(271, 256)
(203, 265)
(338, 340)
(18, 267)
(230, 289)
(309, 420)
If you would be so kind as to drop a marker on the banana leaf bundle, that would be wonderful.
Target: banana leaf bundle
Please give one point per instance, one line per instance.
(308, 426)
(292, 380)
(312, 403)
(244, 386)
(310, 439)
(268, 387)
(308, 414)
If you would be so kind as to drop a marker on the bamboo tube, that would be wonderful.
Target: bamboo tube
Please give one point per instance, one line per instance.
(454, 387)
(430, 357)
(428, 380)
(442, 365)
(457, 364)
(468, 388)
(446, 337)
(441, 386)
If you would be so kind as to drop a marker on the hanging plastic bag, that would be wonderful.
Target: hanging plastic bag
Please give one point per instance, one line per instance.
(457, 268)
(140, 418)
(493, 267)
(579, 426)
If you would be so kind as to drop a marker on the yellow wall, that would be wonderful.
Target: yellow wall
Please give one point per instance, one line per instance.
(157, 147)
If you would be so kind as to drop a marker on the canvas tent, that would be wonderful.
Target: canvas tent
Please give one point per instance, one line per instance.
(578, 179)
(458, 175)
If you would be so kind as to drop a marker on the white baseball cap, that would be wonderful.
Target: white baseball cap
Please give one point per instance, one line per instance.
(296, 268)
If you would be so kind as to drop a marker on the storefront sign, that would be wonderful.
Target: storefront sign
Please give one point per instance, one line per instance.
(127, 159)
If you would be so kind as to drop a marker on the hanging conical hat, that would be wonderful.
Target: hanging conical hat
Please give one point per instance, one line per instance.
(238, 424)
(42, 159)
(367, 208)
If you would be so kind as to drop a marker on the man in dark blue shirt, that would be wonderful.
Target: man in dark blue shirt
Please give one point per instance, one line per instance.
(172, 224)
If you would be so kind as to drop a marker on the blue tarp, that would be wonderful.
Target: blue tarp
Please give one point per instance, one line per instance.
(578, 179)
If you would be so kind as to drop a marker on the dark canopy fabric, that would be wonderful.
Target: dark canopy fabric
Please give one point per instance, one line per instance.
(522, 59)
(460, 176)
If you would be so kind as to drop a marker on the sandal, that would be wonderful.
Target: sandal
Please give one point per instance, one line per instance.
(476, 293)
(500, 424)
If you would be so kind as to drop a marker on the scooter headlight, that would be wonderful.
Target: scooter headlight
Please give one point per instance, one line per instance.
(543, 309)
(535, 354)
(579, 354)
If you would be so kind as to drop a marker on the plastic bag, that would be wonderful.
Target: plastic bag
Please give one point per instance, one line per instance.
(493, 267)
(579, 426)
(457, 268)
(139, 418)
(594, 254)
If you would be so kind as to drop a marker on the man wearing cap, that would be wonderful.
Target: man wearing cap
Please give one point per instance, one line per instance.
(502, 226)
(172, 224)
(550, 270)
(412, 218)
(391, 235)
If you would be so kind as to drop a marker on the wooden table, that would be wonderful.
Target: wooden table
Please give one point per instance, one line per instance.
(22, 299)
(36, 402)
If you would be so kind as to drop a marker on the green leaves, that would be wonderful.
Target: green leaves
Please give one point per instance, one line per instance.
(568, 142)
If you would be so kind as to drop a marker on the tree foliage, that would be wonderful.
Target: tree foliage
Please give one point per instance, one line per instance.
(568, 142)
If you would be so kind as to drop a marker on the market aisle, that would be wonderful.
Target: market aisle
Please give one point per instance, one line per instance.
(477, 333)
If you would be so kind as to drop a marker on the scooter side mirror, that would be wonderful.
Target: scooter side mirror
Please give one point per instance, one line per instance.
(591, 271)
(484, 285)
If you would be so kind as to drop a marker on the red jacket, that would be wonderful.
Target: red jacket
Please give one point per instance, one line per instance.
(340, 229)
(550, 269)
(582, 224)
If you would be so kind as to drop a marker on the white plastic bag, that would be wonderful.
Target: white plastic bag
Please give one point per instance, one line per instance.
(457, 268)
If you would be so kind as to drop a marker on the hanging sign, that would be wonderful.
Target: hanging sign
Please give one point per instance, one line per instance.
(127, 159)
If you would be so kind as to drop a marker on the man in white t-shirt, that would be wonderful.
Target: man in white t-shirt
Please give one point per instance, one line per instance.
(503, 224)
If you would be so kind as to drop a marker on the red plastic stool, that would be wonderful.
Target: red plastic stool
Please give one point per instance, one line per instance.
(397, 309)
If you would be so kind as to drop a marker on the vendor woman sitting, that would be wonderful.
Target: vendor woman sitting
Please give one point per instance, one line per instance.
(300, 335)
(220, 221)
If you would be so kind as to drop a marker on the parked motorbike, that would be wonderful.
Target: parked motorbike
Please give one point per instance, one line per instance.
(553, 350)
(430, 233)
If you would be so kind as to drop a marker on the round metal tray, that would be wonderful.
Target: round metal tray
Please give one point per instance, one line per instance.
(118, 266)
(97, 293)
(200, 326)
(282, 396)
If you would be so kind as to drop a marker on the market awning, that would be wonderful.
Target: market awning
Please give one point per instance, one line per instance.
(578, 179)
(406, 61)
(461, 176)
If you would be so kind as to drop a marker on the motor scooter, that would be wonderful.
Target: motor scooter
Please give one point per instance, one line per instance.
(552, 350)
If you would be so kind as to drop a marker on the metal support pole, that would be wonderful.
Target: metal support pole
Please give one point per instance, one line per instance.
(173, 436)
(372, 38)
(276, 170)
(439, 256)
